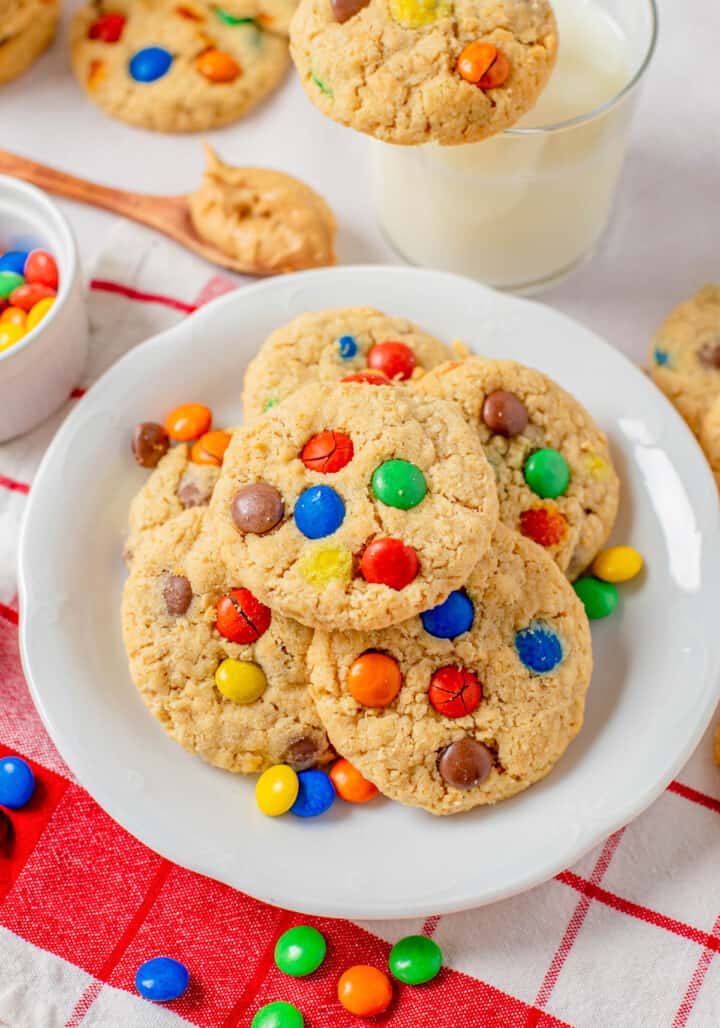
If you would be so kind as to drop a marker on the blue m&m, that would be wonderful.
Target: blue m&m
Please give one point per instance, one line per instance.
(539, 648)
(451, 618)
(319, 511)
(316, 794)
(162, 979)
(17, 782)
(348, 347)
(150, 64)
(14, 260)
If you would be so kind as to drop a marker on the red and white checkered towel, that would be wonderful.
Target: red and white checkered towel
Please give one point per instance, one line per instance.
(627, 938)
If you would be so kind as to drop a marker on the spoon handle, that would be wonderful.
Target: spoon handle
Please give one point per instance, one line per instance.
(139, 207)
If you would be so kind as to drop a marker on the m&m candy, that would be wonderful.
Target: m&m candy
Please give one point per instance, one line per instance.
(29, 294)
(347, 347)
(364, 990)
(320, 565)
(9, 282)
(316, 794)
(396, 360)
(240, 680)
(451, 618)
(150, 443)
(108, 28)
(17, 782)
(9, 335)
(616, 564)
(150, 64)
(217, 66)
(241, 618)
(188, 422)
(389, 562)
(545, 526)
(465, 763)
(276, 790)
(350, 784)
(278, 1015)
(300, 951)
(374, 679)
(210, 448)
(368, 377)
(398, 483)
(14, 260)
(256, 508)
(162, 979)
(547, 473)
(319, 512)
(599, 598)
(415, 960)
(455, 691)
(539, 648)
(327, 452)
(41, 269)
(38, 312)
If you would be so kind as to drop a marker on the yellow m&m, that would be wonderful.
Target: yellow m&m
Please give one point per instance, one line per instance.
(617, 564)
(276, 790)
(320, 565)
(10, 333)
(38, 312)
(240, 680)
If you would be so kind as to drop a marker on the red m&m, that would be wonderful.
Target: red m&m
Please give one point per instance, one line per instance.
(396, 360)
(41, 269)
(241, 618)
(28, 288)
(327, 452)
(108, 28)
(377, 378)
(455, 692)
(389, 562)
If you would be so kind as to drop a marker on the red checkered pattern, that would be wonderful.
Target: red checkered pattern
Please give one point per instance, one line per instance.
(629, 937)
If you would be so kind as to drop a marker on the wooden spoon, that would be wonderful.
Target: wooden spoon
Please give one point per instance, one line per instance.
(167, 214)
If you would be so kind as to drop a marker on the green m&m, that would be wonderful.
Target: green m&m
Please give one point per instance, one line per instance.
(547, 473)
(398, 483)
(300, 951)
(415, 960)
(599, 598)
(278, 1015)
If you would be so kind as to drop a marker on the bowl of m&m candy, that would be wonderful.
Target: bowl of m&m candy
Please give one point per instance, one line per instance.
(28, 290)
(43, 322)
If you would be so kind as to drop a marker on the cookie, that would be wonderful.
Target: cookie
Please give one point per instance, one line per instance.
(173, 67)
(264, 714)
(354, 506)
(268, 221)
(329, 345)
(555, 477)
(175, 485)
(470, 703)
(420, 71)
(27, 28)
(685, 364)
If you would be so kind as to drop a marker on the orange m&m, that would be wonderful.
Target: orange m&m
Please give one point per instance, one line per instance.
(376, 378)
(484, 65)
(544, 525)
(374, 679)
(210, 448)
(364, 990)
(217, 66)
(350, 784)
(188, 422)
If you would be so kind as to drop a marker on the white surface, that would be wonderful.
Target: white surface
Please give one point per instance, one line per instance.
(648, 703)
(38, 373)
(662, 243)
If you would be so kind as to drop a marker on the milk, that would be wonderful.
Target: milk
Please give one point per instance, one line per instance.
(523, 208)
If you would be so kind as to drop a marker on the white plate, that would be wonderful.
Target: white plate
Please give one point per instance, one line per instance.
(657, 659)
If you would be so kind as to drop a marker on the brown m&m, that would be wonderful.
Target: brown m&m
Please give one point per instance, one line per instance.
(178, 595)
(504, 413)
(346, 9)
(302, 753)
(191, 494)
(150, 444)
(465, 763)
(257, 508)
(709, 354)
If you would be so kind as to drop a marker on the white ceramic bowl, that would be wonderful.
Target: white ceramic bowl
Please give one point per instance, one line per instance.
(657, 659)
(38, 374)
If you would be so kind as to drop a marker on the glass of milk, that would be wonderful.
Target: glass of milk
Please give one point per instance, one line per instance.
(521, 210)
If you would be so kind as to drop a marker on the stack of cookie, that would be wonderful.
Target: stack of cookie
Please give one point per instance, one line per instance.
(379, 569)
